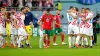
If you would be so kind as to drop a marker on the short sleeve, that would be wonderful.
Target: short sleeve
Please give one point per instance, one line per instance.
(90, 15)
(41, 18)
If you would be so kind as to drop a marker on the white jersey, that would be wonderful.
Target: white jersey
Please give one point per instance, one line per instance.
(88, 24)
(12, 27)
(82, 23)
(2, 24)
(20, 23)
(71, 20)
(72, 24)
(20, 20)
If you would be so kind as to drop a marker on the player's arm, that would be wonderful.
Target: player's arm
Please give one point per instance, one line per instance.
(74, 16)
(68, 11)
(86, 19)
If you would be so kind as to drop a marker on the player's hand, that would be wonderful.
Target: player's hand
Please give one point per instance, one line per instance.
(83, 19)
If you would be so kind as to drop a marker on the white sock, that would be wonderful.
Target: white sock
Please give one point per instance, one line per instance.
(13, 40)
(90, 42)
(69, 41)
(1, 40)
(82, 41)
(40, 42)
(77, 39)
(73, 40)
(19, 40)
(85, 39)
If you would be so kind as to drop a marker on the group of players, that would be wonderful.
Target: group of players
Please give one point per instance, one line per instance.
(79, 27)
(13, 27)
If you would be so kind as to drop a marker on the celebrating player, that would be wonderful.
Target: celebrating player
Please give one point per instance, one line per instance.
(73, 26)
(1, 27)
(82, 15)
(21, 27)
(58, 28)
(88, 25)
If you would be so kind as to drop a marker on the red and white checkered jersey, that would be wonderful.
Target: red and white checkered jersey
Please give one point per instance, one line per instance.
(2, 20)
(20, 20)
(88, 23)
(71, 20)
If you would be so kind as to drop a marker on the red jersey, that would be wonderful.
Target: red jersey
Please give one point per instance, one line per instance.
(47, 21)
(57, 19)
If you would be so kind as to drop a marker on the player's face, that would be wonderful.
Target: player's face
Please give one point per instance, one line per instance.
(83, 11)
(13, 11)
(27, 9)
(24, 10)
(3, 10)
(74, 10)
(58, 12)
(87, 11)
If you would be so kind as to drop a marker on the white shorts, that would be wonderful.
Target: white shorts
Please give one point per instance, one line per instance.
(13, 30)
(4, 31)
(22, 32)
(88, 31)
(1, 29)
(72, 29)
(82, 30)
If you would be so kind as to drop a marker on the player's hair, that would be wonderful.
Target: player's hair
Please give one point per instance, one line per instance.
(27, 7)
(8, 14)
(71, 7)
(87, 9)
(48, 10)
(22, 8)
(83, 8)
(76, 9)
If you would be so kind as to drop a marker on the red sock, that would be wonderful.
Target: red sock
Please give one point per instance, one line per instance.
(62, 37)
(48, 42)
(45, 41)
(54, 38)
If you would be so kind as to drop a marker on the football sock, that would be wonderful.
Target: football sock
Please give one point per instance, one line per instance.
(69, 41)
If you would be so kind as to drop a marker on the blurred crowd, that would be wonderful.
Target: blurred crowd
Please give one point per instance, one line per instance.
(30, 3)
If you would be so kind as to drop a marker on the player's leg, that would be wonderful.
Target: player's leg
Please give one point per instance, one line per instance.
(73, 40)
(13, 41)
(1, 37)
(69, 35)
(41, 38)
(29, 32)
(91, 34)
(45, 38)
(62, 35)
(54, 37)
(76, 32)
(48, 38)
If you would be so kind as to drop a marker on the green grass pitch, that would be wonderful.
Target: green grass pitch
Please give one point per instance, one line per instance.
(60, 50)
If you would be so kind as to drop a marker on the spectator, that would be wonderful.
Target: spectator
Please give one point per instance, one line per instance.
(15, 3)
(59, 5)
(4, 3)
(20, 3)
(29, 3)
(49, 3)
(9, 2)
(0, 3)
